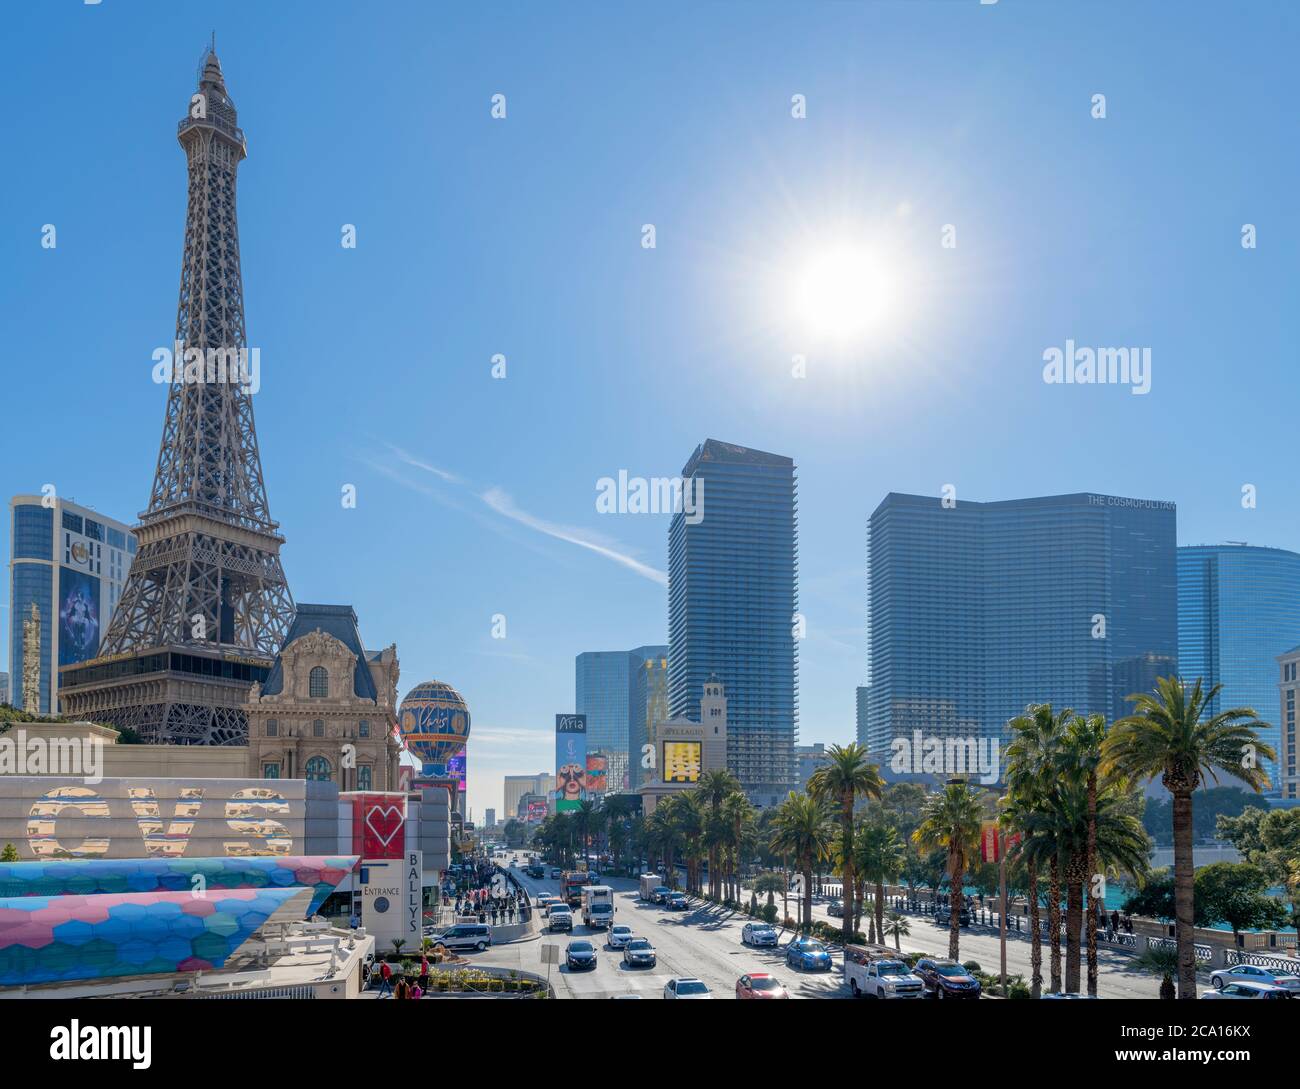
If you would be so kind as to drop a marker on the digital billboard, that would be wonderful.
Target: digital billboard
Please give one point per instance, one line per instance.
(535, 813)
(456, 770)
(78, 616)
(597, 773)
(570, 761)
(682, 760)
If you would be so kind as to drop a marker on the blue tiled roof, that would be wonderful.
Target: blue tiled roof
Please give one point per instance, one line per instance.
(336, 620)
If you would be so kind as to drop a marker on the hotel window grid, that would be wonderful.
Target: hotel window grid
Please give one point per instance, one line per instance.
(272, 727)
(270, 771)
(318, 728)
(318, 769)
(318, 683)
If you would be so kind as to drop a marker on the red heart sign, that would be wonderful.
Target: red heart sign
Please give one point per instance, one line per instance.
(385, 822)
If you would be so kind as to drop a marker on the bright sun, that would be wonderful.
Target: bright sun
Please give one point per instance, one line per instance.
(842, 293)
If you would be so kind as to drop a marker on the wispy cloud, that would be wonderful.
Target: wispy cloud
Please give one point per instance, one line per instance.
(500, 502)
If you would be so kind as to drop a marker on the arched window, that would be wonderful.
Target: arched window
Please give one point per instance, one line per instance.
(318, 770)
(318, 683)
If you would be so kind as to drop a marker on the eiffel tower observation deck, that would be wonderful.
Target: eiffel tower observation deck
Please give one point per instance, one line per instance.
(206, 605)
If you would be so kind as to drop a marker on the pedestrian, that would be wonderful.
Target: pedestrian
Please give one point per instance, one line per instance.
(1114, 921)
(416, 990)
(354, 921)
(403, 989)
(424, 972)
(385, 980)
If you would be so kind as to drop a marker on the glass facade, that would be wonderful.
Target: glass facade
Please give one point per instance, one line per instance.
(1238, 610)
(617, 690)
(732, 600)
(979, 609)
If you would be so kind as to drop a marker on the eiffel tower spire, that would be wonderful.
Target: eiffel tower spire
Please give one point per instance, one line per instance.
(206, 585)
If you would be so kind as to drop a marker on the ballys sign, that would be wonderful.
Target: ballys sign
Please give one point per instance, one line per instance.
(249, 815)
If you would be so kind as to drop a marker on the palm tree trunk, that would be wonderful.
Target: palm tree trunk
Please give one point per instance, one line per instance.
(1036, 936)
(1054, 922)
(807, 893)
(956, 872)
(1184, 912)
(846, 865)
(1091, 910)
(880, 911)
(1073, 920)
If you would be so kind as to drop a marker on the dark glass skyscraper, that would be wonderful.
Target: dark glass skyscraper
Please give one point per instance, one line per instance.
(1238, 609)
(978, 609)
(620, 691)
(732, 598)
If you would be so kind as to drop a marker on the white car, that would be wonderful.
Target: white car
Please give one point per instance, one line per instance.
(1253, 973)
(619, 936)
(686, 987)
(1249, 990)
(758, 934)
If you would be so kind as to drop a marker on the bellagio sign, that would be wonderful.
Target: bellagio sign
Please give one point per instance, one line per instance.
(54, 817)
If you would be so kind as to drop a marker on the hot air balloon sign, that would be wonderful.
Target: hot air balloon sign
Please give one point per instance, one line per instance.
(434, 723)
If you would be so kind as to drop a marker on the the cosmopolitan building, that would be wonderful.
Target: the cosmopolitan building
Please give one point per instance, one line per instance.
(979, 609)
(620, 691)
(1238, 609)
(732, 599)
(1287, 780)
(72, 562)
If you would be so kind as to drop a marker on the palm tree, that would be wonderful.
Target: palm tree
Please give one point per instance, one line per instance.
(1172, 735)
(1160, 960)
(713, 788)
(805, 831)
(878, 855)
(951, 820)
(1031, 757)
(770, 883)
(1082, 754)
(846, 775)
(898, 928)
(737, 814)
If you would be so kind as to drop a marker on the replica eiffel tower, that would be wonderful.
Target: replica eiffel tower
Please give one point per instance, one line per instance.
(206, 605)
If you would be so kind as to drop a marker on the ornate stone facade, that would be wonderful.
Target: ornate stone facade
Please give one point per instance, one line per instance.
(316, 726)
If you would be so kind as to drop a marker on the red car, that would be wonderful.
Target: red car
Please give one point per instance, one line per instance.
(760, 985)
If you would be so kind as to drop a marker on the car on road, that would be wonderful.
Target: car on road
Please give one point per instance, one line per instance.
(946, 978)
(808, 954)
(546, 902)
(619, 936)
(1253, 973)
(476, 936)
(885, 978)
(943, 916)
(659, 894)
(556, 872)
(760, 985)
(1242, 989)
(686, 987)
(561, 916)
(835, 909)
(639, 953)
(580, 954)
(677, 902)
(758, 934)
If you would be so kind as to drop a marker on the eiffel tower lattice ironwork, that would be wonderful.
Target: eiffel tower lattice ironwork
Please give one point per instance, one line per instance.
(206, 605)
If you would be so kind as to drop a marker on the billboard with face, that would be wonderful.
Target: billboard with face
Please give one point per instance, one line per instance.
(570, 761)
(682, 761)
(78, 616)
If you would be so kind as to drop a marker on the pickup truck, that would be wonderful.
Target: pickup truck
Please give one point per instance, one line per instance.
(883, 978)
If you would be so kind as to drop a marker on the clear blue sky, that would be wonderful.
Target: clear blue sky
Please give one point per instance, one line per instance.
(522, 236)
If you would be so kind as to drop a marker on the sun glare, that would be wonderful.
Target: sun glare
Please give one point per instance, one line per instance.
(842, 293)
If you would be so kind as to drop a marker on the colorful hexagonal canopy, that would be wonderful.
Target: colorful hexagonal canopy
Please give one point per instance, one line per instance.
(50, 939)
(89, 877)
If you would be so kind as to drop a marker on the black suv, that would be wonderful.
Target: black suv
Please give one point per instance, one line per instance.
(946, 978)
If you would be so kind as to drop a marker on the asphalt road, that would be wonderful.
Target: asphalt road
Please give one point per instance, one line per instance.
(704, 942)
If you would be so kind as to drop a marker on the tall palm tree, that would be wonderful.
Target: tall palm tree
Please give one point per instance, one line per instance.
(951, 820)
(878, 854)
(713, 788)
(805, 831)
(770, 883)
(738, 814)
(1173, 735)
(1082, 752)
(1030, 777)
(847, 775)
